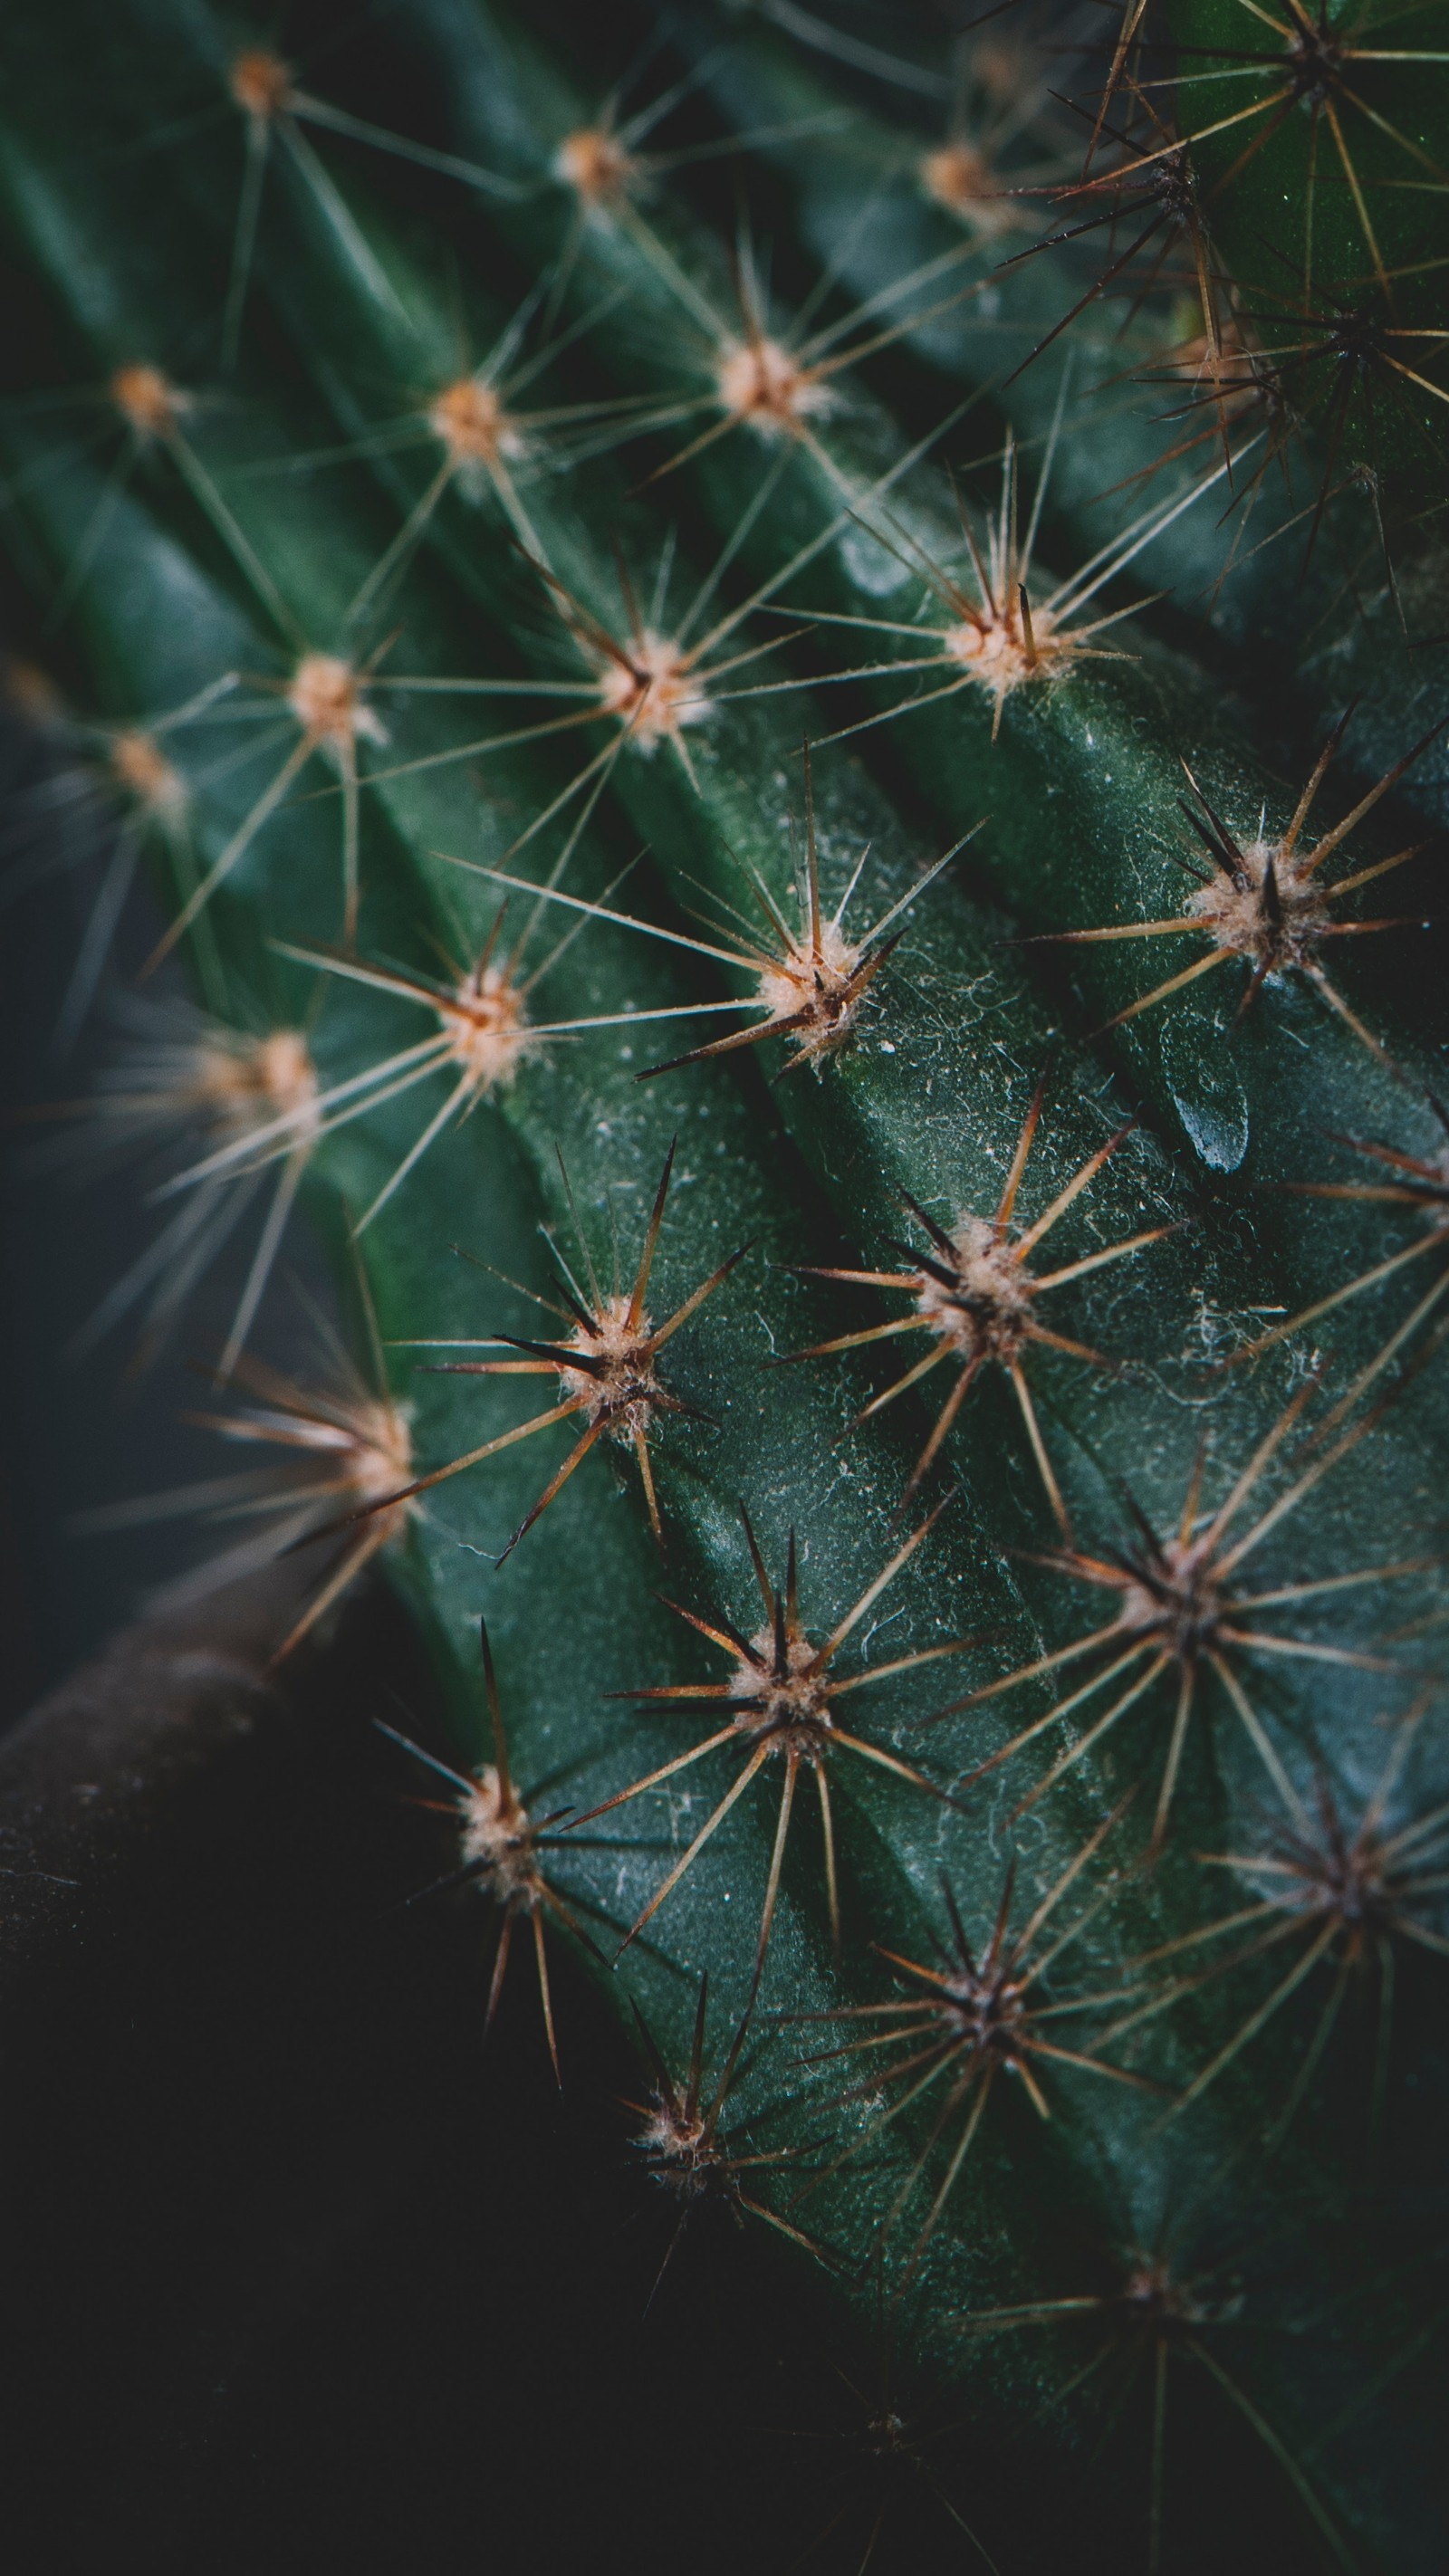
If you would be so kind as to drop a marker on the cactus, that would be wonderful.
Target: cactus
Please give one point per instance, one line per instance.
(461, 510)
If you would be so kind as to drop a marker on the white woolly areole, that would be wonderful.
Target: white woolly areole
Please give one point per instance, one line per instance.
(984, 1314)
(654, 693)
(758, 381)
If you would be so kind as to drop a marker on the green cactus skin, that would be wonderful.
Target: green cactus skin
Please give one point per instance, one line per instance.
(808, 1172)
(1247, 599)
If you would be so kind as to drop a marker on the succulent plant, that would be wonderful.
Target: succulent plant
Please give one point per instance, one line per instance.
(686, 899)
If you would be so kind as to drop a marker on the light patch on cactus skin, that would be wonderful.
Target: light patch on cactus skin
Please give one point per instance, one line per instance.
(1180, 1610)
(1264, 904)
(468, 418)
(246, 1083)
(487, 1026)
(501, 1851)
(960, 178)
(762, 385)
(325, 694)
(780, 1701)
(652, 690)
(605, 1365)
(974, 1294)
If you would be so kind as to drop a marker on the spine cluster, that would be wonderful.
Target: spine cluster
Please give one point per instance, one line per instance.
(651, 856)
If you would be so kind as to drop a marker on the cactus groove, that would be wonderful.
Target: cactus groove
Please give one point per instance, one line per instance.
(729, 650)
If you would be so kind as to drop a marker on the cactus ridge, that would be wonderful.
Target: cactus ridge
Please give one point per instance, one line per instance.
(454, 811)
